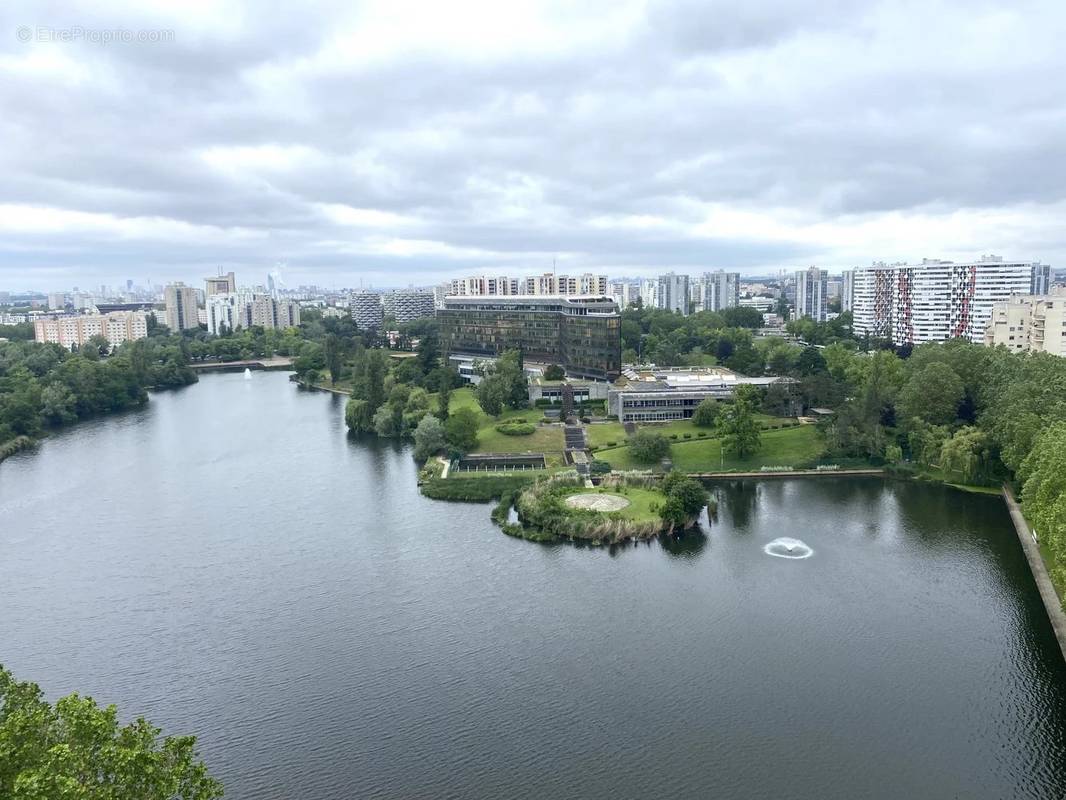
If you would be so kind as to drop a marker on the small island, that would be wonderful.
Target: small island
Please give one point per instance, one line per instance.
(567, 506)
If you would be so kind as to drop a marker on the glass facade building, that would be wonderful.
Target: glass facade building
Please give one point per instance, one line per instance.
(582, 334)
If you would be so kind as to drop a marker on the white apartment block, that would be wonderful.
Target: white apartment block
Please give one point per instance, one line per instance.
(649, 293)
(366, 310)
(623, 293)
(244, 309)
(717, 290)
(1030, 323)
(936, 300)
(117, 327)
(847, 290)
(406, 305)
(547, 284)
(811, 293)
(673, 292)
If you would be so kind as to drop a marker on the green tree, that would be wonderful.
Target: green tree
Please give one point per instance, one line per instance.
(461, 430)
(554, 372)
(58, 404)
(648, 447)
(932, 394)
(430, 437)
(491, 394)
(968, 453)
(444, 392)
(689, 491)
(1044, 492)
(76, 750)
(706, 413)
(333, 356)
(737, 426)
(428, 352)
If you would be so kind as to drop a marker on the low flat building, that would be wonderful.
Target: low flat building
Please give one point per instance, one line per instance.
(651, 394)
(552, 391)
(581, 333)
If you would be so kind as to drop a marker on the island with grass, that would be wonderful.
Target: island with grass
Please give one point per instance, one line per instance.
(623, 507)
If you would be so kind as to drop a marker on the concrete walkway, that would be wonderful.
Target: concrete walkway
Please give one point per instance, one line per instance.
(1039, 570)
(792, 473)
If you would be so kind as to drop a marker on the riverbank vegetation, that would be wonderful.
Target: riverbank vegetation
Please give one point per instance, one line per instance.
(45, 386)
(76, 749)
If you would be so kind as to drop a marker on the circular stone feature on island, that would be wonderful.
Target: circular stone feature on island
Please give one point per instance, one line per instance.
(597, 502)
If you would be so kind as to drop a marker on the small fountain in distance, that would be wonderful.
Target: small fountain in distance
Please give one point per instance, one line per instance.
(786, 547)
(247, 374)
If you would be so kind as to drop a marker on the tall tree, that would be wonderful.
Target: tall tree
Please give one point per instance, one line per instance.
(331, 347)
(737, 425)
(444, 393)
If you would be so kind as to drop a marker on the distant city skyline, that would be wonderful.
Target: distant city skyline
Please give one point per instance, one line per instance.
(249, 277)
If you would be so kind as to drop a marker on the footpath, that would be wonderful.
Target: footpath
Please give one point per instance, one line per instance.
(1039, 570)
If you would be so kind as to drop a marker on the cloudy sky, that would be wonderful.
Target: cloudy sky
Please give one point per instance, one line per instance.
(402, 142)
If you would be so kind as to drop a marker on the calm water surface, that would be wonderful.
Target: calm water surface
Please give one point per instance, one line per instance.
(228, 563)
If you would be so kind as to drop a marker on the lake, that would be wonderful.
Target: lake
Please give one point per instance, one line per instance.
(229, 563)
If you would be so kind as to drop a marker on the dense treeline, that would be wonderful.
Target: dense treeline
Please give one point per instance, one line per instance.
(973, 414)
(724, 338)
(45, 385)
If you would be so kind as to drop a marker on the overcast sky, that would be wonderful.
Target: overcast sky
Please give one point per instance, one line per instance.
(406, 142)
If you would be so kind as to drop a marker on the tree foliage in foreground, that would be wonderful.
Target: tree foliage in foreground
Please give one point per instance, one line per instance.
(76, 750)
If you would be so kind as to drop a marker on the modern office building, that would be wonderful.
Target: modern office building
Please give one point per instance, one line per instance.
(366, 310)
(220, 284)
(181, 307)
(1030, 323)
(672, 293)
(937, 300)
(580, 333)
(650, 394)
(117, 327)
(811, 294)
(717, 290)
(406, 305)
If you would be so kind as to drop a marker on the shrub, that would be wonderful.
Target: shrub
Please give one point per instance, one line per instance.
(611, 444)
(673, 436)
(516, 428)
(706, 413)
(647, 447)
(686, 436)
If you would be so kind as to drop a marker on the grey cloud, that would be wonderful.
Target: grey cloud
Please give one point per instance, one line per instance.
(754, 106)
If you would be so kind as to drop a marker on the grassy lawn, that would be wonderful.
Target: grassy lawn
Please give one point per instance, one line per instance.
(547, 440)
(640, 502)
(787, 446)
(600, 434)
